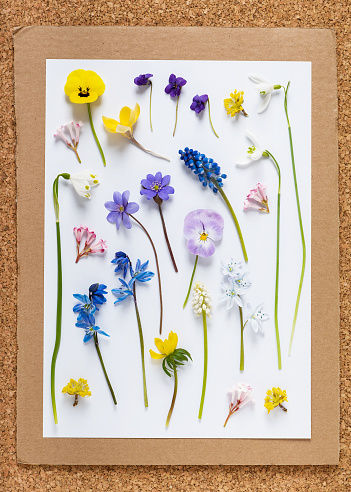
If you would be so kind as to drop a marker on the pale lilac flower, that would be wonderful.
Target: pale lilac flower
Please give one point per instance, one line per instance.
(240, 395)
(201, 228)
(265, 88)
(256, 316)
(120, 209)
(73, 129)
(257, 199)
(231, 268)
(253, 153)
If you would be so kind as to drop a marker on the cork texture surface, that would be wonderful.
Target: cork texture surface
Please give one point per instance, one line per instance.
(215, 14)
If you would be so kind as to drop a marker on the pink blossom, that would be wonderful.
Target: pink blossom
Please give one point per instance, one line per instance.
(99, 247)
(240, 395)
(78, 232)
(89, 247)
(257, 199)
(91, 236)
(73, 128)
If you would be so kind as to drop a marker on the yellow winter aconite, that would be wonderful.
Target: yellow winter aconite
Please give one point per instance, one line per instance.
(80, 388)
(166, 347)
(233, 105)
(127, 118)
(274, 398)
(84, 86)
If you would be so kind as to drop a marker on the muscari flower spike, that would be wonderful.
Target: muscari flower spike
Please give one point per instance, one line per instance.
(209, 174)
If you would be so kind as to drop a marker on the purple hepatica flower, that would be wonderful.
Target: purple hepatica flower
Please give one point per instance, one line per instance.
(175, 85)
(87, 322)
(120, 209)
(143, 79)
(201, 228)
(199, 103)
(156, 186)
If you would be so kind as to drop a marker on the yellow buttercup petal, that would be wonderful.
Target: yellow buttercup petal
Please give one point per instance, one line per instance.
(154, 355)
(160, 345)
(136, 113)
(110, 124)
(124, 116)
(170, 344)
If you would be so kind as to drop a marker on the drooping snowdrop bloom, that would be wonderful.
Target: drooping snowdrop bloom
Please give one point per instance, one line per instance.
(83, 181)
(253, 153)
(265, 89)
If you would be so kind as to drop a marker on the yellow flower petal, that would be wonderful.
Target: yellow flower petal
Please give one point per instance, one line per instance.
(171, 344)
(124, 116)
(160, 345)
(95, 82)
(154, 355)
(77, 99)
(110, 124)
(124, 130)
(84, 86)
(136, 113)
(74, 80)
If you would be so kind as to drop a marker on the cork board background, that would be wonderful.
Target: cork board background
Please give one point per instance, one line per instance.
(19, 477)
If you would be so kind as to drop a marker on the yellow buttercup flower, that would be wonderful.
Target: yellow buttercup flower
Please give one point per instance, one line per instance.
(75, 388)
(274, 398)
(166, 347)
(84, 86)
(233, 105)
(127, 118)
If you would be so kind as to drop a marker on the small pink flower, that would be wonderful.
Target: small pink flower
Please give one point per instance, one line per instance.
(73, 129)
(91, 236)
(99, 247)
(78, 232)
(89, 247)
(240, 395)
(257, 199)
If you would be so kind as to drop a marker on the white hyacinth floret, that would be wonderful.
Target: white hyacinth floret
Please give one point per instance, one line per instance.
(201, 300)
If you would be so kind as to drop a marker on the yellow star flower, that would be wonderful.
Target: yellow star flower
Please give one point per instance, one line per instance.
(274, 398)
(127, 118)
(233, 105)
(166, 348)
(84, 86)
(75, 388)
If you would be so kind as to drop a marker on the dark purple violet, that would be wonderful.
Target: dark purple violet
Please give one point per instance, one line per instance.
(175, 85)
(199, 103)
(143, 79)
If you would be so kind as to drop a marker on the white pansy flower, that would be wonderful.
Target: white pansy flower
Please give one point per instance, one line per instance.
(253, 154)
(265, 88)
(83, 181)
(256, 316)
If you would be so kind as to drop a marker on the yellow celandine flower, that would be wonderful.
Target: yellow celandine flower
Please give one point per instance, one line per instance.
(166, 347)
(75, 388)
(274, 398)
(127, 118)
(84, 86)
(233, 105)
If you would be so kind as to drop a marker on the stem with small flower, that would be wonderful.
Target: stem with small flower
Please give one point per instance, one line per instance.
(205, 365)
(300, 221)
(191, 282)
(150, 103)
(96, 341)
(141, 338)
(174, 394)
(95, 136)
(209, 115)
(157, 267)
(176, 118)
(277, 264)
(166, 237)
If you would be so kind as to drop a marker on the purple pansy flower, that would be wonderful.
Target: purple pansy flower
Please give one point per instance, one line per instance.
(120, 209)
(157, 186)
(201, 228)
(199, 103)
(175, 85)
(143, 79)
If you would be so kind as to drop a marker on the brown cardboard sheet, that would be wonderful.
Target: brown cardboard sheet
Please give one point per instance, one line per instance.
(33, 45)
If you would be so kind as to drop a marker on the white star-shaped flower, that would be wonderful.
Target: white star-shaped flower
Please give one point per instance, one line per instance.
(256, 316)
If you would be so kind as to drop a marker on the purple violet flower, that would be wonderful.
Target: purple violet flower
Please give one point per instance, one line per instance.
(199, 103)
(201, 228)
(156, 186)
(120, 209)
(143, 79)
(175, 85)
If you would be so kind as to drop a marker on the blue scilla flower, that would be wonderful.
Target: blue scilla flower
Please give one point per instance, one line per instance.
(207, 171)
(140, 272)
(84, 306)
(124, 291)
(96, 294)
(122, 262)
(87, 322)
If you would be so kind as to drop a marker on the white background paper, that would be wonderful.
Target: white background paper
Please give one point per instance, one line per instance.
(127, 165)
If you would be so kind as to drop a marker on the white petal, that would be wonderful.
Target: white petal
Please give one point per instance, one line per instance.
(243, 160)
(265, 88)
(257, 78)
(264, 102)
(254, 324)
(253, 139)
(238, 301)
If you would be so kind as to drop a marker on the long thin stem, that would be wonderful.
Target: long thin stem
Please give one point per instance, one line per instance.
(224, 196)
(95, 136)
(96, 341)
(176, 118)
(174, 396)
(166, 237)
(150, 103)
(141, 338)
(191, 282)
(157, 267)
(300, 222)
(205, 365)
(241, 339)
(209, 115)
(135, 142)
(232, 410)
(277, 265)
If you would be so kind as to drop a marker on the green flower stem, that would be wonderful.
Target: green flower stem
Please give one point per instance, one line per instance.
(205, 365)
(157, 267)
(95, 136)
(174, 395)
(176, 119)
(96, 341)
(209, 115)
(242, 360)
(224, 196)
(300, 222)
(166, 237)
(191, 282)
(150, 104)
(141, 346)
(277, 265)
